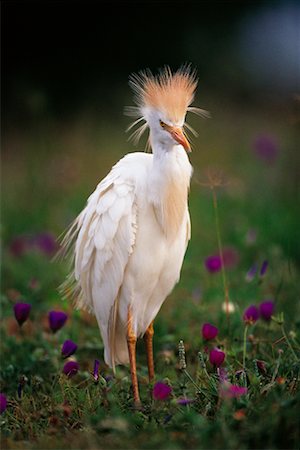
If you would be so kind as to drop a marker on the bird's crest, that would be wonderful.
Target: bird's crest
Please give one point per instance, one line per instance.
(169, 92)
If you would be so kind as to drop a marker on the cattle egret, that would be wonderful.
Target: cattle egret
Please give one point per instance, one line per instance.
(128, 243)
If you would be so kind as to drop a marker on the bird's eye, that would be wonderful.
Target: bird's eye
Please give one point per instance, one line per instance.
(162, 124)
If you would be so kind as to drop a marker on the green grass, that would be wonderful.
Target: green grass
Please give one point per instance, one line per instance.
(49, 171)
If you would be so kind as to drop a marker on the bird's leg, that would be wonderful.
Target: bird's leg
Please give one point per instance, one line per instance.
(131, 342)
(148, 337)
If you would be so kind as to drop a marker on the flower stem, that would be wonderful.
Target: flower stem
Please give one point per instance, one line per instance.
(193, 382)
(203, 365)
(220, 248)
(288, 342)
(245, 346)
(276, 368)
(191, 379)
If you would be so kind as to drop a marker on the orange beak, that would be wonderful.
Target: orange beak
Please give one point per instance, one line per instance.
(178, 134)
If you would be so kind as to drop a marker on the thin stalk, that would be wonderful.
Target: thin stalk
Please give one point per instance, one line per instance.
(193, 382)
(245, 346)
(276, 368)
(288, 342)
(220, 248)
(202, 364)
(191, 379)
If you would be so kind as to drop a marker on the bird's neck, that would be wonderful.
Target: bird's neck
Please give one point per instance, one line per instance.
(168, 187)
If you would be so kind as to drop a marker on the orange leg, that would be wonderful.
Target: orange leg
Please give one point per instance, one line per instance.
(149, 349)
(131, 342)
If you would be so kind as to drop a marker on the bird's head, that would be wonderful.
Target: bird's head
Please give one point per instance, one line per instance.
(162, 104)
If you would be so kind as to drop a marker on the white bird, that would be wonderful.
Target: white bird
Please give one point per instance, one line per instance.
(129, 242)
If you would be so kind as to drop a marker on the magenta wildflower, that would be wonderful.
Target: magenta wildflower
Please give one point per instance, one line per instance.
(57, 319)
(71, 368)
(266, 309)
(228, 390)
(237, 391)
(3, 403)
(96, 370)
(68, 348)
(216, 357)
(21, 311)
(266, 148)
(263, 268)
(209, 331)
(251, 273)
(251, 315)
(230, 256)
(213, 263)
(161, 391)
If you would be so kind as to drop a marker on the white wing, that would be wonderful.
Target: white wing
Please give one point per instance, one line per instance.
(101, 241)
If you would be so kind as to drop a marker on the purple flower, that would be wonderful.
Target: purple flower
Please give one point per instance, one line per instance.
(161, 391)
(266, 309)
(71, 368)
(251, 315)
(228, 390)
(96, 370)
(69, 347)
(57, 319)
(209, 331)
(184, 401)
(237, 391)
(3, 403)
(230, 256)
(216, 357)
(266, 148)
(213, 263)
(264, 267)
(251, 273)
(22, 311)
(46, 243)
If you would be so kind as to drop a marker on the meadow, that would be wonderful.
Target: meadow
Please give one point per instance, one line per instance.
(243, 200)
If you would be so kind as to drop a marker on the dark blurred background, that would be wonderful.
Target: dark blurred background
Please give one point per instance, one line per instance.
(61, 57)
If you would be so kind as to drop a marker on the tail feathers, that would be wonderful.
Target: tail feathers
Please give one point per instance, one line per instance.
(118, 354)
